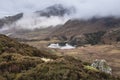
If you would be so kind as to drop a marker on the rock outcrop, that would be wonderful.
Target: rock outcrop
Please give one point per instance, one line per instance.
(102, 66)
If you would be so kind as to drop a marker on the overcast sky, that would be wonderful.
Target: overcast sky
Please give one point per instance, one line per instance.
(85, 8)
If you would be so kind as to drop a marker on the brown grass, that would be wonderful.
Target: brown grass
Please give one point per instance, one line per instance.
(111, 53)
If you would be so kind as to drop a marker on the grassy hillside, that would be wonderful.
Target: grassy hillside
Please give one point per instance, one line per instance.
(8, 45)
(23, 62)
(77, 27)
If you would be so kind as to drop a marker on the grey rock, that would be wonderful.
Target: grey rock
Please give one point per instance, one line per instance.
(102, 66)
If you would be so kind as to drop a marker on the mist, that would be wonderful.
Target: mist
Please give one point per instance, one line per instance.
(84, 9)
(33, 21)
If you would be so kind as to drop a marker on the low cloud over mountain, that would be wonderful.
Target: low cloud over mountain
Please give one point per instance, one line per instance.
(85, 8)
(51, 16)
(46, 13)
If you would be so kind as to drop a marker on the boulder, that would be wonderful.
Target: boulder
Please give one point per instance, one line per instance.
(102, 66)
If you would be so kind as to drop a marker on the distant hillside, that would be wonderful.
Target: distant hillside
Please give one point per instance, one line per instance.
(76, 27)
(89, 31)
(75, 31)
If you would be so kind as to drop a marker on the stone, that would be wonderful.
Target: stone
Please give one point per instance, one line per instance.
(102, 66)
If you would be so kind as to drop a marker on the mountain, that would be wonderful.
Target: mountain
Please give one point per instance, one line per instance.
(37, 17)
(76, 27)
(76, 32)
(10, 19)
(22, 62)
(91, 31)
(56, 10)
(96, 30)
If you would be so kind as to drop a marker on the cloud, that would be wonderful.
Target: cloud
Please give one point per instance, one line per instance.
(33, 21)
(85, 8)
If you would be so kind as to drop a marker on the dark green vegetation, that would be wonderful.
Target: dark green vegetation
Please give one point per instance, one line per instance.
(88, 38)
(22, 62)
(112, 36)
(94, 38)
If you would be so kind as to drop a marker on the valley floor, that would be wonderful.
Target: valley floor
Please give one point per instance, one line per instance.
(88, 53)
